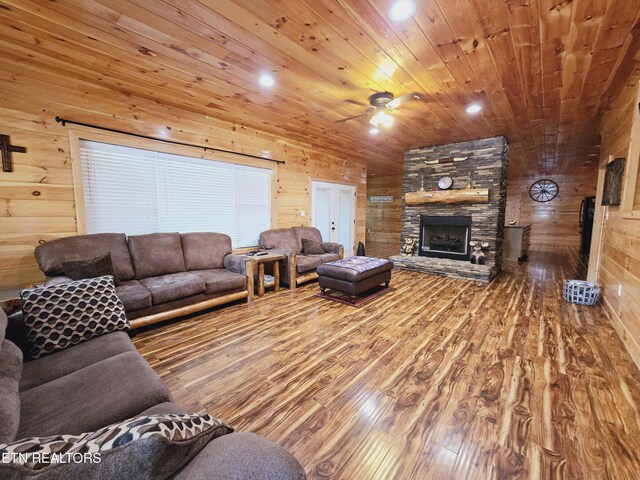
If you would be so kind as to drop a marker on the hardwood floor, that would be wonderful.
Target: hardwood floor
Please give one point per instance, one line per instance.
(438, 379)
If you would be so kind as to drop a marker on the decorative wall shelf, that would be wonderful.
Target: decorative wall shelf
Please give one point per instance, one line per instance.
(467, 195)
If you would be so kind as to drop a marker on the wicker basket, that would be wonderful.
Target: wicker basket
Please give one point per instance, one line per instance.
(580, 292)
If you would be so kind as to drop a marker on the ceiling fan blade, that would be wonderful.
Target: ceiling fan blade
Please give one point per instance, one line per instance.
(396, 102)
(352, 118)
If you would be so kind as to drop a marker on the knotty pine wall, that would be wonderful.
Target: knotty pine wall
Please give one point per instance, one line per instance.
(554, 223)
(384, 220)
(619, 252)
(37, 199)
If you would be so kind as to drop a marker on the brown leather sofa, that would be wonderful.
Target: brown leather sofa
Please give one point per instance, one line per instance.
(104, 381)
(159, 275)
(299, 267)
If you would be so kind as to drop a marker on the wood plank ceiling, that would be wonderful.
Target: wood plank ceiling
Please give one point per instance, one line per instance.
(545, 70)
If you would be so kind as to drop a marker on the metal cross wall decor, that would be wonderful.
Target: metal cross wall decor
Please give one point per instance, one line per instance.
(6, 148)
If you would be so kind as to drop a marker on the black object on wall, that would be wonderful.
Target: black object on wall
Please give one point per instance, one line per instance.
(587, 212)
(7, 149)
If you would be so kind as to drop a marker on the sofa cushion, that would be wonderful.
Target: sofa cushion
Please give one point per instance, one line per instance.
(60, 316)
(156, 254)
(219, 280)
(10, 372)
(203, 251)
(312, 247)
(310, 233)
(50, 255)
(327, 257)
(307, 263)
(171, 287)
(91, 268)
(281, 238)
(240, 456)
(58, 364)
(91, 398)
(151, 447)
(134, 295)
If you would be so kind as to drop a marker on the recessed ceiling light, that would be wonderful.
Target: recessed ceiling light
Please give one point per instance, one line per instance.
(474, 108)
(401, 10)
(374, 131)
(266, 80)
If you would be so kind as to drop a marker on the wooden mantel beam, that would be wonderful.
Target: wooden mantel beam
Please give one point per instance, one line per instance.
(467, 195)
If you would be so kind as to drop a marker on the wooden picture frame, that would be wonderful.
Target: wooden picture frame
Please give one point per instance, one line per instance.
(614, 176)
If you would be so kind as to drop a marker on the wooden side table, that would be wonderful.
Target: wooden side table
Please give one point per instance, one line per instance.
(261, 261)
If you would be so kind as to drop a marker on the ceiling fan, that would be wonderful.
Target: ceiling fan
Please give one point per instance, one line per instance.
(382, 103)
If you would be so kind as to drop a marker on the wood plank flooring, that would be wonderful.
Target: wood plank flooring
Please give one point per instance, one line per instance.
(438, 379)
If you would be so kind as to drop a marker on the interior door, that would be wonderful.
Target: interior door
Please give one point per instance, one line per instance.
(333, 213)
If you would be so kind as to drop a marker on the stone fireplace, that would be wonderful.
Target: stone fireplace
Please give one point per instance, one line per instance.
(447, 221)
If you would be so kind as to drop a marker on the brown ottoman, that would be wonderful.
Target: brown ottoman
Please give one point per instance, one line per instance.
(354, 275)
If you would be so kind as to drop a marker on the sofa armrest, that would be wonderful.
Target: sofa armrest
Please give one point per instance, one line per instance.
(52, 281)
(242, 455)
(331, 247)
(244, 266)
(237, 263)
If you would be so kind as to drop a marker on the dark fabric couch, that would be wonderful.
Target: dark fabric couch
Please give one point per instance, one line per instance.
(299, 267)
(104, 381)
(159, 275)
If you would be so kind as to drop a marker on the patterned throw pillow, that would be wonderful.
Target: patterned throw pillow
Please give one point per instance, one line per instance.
(151, 447)
(60, 316)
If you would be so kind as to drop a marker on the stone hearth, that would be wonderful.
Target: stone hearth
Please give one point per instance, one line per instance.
(486, 167)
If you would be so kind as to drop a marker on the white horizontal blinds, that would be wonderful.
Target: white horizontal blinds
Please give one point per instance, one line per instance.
(195, 195)
(253, 203)
(137, 191)
(119, 189)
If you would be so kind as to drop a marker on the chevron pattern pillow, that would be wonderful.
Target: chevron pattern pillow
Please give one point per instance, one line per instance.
(152, 447)
(60, 316)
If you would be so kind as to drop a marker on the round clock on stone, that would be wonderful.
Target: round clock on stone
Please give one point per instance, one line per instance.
(445, 183)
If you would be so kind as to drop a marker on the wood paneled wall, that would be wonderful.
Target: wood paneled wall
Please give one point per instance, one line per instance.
(619, 253)
(384, 220)
(37, 199)
(554, 223)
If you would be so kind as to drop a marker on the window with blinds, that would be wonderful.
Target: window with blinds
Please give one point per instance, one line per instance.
(138, 191)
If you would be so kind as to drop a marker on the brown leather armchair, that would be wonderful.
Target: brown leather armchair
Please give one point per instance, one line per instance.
(299, 267)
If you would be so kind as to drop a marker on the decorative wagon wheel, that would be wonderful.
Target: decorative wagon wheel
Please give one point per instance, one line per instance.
(543, 190)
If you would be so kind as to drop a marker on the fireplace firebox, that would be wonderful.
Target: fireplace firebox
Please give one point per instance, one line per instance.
(445, 237)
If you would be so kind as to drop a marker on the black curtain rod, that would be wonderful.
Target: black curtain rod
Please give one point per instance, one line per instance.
(64, 121)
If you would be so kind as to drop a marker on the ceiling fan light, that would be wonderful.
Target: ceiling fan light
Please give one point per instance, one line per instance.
(401, 10)
(381, 119)
(374, 131)
(377, 118)
(387, 121)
